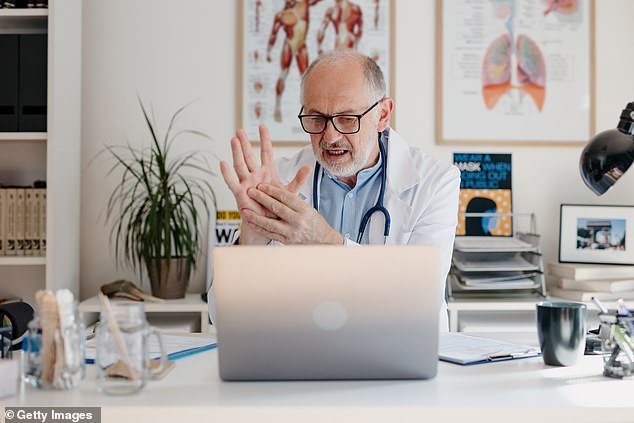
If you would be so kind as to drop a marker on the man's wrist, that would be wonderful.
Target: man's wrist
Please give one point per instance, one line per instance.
(337, 239)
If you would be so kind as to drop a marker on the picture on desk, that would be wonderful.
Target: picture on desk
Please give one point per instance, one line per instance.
(596, 234)
(601, 234)
(485, 194)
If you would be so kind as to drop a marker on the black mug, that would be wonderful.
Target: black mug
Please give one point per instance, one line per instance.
(561, 327)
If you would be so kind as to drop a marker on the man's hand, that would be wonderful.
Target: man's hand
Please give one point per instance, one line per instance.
(296, 223)
(250, 174)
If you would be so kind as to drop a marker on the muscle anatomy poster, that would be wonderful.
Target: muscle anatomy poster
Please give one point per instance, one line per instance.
(280, 38)
(516, 71)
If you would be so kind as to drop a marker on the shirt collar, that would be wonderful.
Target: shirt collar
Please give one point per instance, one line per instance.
(362, 177)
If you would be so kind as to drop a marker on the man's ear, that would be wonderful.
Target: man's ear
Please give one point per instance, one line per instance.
(385, 111)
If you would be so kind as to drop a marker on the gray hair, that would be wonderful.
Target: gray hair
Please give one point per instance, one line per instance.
(374, 78)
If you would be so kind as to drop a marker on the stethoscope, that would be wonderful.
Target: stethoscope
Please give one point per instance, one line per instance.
(378, 207)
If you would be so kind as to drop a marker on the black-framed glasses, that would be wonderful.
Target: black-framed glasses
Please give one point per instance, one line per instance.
(344, 123)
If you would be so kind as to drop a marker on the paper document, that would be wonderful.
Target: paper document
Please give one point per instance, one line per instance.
(175, 346)
(492, 277)
(512, 284)
(482, 244)
(492, 263)
(497, 280)
(465, 349)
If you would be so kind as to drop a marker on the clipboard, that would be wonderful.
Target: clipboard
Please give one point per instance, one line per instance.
(467, 350)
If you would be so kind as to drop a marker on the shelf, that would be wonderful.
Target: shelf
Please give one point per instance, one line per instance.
(23, 136)
(17, 21)
(22, 261)
(26, 12)
(192, 303)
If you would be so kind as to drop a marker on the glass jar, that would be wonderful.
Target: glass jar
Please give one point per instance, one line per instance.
(58, 362)
(123, 354)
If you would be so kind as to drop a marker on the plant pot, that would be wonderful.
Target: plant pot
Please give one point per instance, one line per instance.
(169, 277)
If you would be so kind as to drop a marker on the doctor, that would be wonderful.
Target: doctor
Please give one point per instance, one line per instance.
(355, 167)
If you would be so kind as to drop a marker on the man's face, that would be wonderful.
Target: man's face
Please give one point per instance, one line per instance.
(341, 89)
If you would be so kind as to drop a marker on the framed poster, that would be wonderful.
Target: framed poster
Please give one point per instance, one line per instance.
(280, 38)
(515, 71)
(596, 234)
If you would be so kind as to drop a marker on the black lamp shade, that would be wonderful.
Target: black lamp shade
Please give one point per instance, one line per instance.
(605, 158)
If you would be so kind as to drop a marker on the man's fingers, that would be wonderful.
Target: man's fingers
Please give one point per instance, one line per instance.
(284, 196)
(274, 229)
(276, 207)
(228, 176)
(299, 179)
(249, 156)
(266, 148)
(239, 165)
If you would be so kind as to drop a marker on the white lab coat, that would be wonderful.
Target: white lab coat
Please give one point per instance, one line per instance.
(421, 195)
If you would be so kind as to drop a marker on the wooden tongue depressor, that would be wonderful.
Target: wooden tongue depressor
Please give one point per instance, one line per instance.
(49, 321)
(118, 339)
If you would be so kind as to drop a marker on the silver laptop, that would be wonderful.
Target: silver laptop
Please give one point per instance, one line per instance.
(327, 312)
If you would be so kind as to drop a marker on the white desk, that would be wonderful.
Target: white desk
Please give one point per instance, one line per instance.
(521, 390)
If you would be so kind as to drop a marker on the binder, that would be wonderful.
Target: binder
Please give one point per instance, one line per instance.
(33, 83)
(467, 350)
(9, 72)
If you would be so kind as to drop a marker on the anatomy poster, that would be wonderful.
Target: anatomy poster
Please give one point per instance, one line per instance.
(282, 37)
(485, 205)
(516, 71)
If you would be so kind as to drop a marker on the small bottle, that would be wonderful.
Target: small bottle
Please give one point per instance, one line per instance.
(31, 358)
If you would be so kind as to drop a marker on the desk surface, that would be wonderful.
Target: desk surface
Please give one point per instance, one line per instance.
(520, 384)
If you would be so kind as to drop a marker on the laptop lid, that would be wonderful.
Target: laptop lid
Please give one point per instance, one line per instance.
(327, 312)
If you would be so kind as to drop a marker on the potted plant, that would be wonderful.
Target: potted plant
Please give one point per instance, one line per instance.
(155, 208)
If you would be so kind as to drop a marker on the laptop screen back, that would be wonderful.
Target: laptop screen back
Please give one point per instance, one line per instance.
(327, 312)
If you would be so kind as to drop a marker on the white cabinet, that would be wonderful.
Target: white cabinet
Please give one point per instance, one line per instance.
(505, 315)
(53, 155)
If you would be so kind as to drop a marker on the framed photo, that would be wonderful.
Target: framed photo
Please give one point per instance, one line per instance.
(515, 72)
(280, 38)
(596, 234)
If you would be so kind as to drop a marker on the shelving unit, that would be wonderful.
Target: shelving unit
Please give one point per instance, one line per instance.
(191, 305)
(16, 21)
(494, 283)
(517, 315)
(53, 155)
(492, 271)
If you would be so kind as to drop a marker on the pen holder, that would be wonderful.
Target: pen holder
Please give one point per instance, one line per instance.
(616, 333)
(54, 358)
(122, 348)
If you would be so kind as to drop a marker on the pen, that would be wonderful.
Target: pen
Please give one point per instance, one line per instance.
(600, 306)
(622, 310)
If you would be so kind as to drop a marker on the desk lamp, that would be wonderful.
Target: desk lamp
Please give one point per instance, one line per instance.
(609, 154)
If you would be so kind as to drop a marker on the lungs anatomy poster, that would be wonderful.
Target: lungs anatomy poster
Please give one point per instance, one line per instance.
(515, 71)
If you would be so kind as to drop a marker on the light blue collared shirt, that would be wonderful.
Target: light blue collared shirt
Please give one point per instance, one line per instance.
(344, 207)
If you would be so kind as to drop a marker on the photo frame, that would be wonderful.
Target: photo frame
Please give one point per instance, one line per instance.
(515, 73)
(268, 91)
(596, 234)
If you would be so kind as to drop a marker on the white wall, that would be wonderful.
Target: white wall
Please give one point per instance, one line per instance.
(173, 52)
